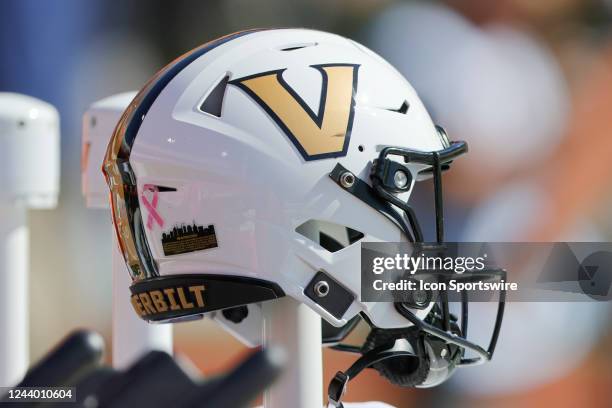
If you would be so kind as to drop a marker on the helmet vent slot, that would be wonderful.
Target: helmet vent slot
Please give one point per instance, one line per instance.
(330, 236)
(294, 47)
(213, 102)
(402, 109)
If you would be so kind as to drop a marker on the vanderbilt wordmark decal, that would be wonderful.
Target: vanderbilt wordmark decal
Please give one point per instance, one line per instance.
(316, 135)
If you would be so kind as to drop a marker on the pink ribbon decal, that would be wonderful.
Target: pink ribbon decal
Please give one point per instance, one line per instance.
(152, 206)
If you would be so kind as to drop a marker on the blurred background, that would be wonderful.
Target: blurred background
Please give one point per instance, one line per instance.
(527, 83)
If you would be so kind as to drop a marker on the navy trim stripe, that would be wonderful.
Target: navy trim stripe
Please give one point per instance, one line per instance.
(164, 77)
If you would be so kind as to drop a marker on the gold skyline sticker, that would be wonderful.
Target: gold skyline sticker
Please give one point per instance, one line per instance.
(188, 238)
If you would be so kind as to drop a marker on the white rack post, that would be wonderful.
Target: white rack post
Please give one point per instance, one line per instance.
(14, 295)
(29, 179)
(131, 336)
(295, 328)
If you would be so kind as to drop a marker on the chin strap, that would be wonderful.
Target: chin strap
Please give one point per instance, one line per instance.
(337, 386)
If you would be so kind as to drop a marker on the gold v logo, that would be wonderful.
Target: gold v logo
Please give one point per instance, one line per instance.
(316, 135)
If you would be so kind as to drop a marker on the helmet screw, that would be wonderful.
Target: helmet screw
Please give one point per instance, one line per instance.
(400, 178)
(347, 179)
(421, 298)
(321, 288)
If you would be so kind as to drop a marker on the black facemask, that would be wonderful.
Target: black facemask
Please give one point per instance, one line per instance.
(427, 352)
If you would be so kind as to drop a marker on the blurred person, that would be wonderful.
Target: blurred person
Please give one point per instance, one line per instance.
(584, 52)
(497, 87)
(584, 187)
(495, 84)
(542, 342)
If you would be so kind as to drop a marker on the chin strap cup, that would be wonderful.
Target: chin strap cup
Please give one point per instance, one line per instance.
(337, 389)
(337, 386)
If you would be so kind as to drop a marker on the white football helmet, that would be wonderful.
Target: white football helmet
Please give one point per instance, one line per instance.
(251, 167)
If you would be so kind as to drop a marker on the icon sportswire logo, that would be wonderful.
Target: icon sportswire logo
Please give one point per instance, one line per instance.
(316, 135)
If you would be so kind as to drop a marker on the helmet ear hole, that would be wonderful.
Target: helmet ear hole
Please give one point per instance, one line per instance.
(332, 237)
(329, 242)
